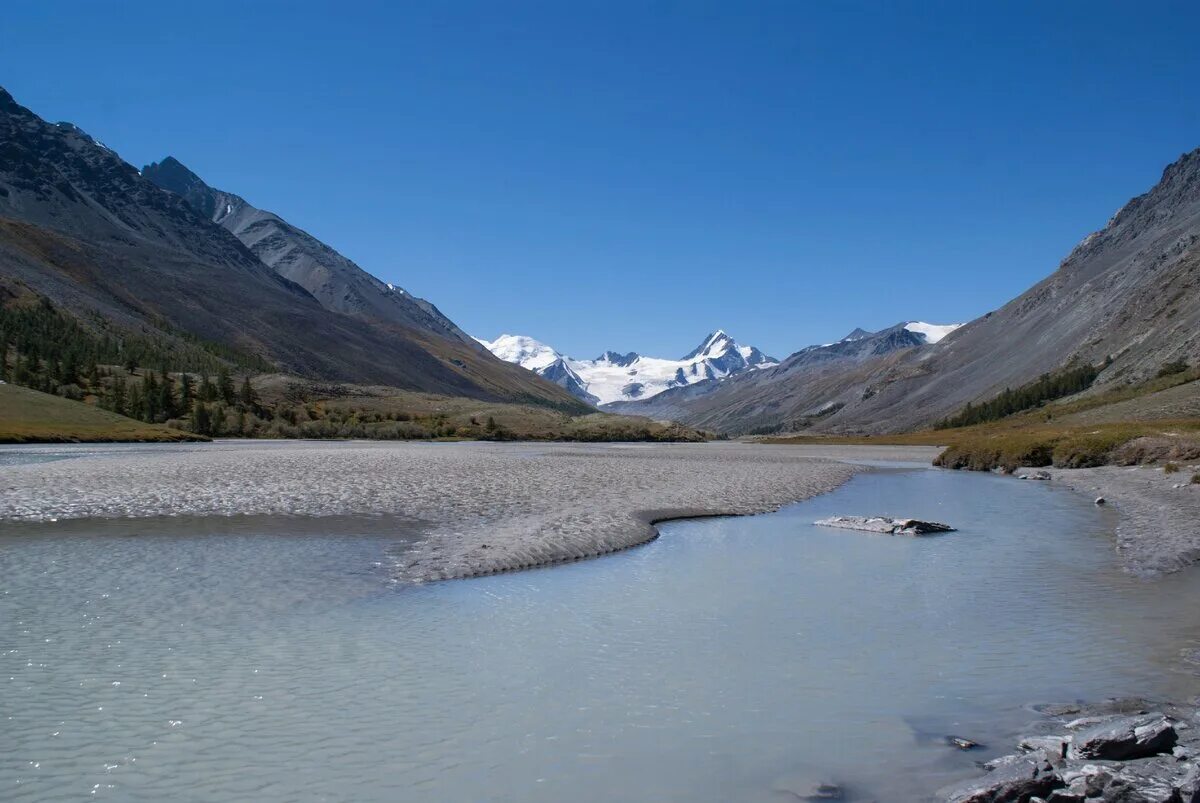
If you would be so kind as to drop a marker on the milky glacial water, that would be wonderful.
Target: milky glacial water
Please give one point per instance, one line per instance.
(732, 659)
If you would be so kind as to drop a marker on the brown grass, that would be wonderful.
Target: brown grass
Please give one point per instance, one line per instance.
(1020, 441)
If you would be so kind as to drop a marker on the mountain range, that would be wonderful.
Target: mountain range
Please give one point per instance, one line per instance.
(160, 254)
(1126, 300)
(614, 377)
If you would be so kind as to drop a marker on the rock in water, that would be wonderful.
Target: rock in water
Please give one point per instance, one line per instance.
(961, 743)
(1018, 780)
(885, 525)
(1126, 738)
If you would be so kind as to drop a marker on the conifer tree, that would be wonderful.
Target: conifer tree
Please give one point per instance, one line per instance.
(117, 398)
(208, 391)
(166, 398)
(247, 397)
(185, 392)
(201, 423)
(225, 385)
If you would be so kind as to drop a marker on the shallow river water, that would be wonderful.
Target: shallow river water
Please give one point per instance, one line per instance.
(731, 659)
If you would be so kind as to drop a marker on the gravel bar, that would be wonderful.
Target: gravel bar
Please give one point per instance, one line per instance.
(483, 507)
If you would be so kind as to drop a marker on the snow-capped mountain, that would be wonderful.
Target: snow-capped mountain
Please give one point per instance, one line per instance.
(613, 377)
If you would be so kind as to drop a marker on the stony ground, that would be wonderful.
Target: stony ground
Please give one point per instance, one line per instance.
(483, 507)
(1114, 751)
(1158, 529)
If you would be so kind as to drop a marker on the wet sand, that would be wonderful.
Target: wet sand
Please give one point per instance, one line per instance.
(483, 507)
(1158, 530)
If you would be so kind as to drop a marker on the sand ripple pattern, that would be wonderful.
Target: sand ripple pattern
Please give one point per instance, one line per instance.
(487, 507)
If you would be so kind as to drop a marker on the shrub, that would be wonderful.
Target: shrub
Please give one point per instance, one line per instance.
(1173, 367)
(1196, 478)
(1170, 468)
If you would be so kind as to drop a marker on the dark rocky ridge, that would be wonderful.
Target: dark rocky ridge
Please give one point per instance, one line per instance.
(337, 282)
(81, 227)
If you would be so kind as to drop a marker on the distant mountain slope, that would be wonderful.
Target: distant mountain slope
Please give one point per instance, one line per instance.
(1130, 291)
(81, 227)
(613, 378)
(803, 389)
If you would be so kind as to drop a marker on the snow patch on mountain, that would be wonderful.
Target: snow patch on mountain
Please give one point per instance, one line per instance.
(615, 377)
(933, 332)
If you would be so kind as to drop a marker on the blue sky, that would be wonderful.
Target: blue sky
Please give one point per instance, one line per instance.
(631, 175)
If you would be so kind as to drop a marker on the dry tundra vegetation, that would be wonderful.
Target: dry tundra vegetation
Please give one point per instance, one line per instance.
(1157, 421)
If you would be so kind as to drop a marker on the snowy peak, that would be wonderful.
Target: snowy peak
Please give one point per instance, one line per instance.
(524, 351)
(615, 377)
(621, 360)
(714, 345)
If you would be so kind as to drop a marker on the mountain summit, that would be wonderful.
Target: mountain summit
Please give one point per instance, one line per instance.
(614, 377)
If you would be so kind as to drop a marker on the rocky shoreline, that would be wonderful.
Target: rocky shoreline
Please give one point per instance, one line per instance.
(1116, 751)
(1127, 750)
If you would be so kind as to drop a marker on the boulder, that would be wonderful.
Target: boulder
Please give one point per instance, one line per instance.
(962, 743)
(1013, 782)
(1125, 738)
(1052, 746)
(885, 525)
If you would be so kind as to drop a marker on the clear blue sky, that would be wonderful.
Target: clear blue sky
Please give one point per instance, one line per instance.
(631, 175)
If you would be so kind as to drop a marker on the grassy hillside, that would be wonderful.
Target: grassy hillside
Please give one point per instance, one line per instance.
(27, 416)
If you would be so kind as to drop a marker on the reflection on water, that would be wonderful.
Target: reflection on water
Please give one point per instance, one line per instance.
(732, 659)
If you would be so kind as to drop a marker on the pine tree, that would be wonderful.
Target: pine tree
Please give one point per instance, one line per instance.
(166, 398)
(116, 401)
(185, 392)
(225, 385)
(150, 397)
(248, 399)
(201, 423)
(208, 392)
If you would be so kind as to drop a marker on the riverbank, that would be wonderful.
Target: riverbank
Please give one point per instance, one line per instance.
(481, 508)
(1157, 530)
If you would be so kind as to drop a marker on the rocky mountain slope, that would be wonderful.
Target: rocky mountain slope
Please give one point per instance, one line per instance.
(85, 230)
(612, 377)
(293, 253)
(800, 391)
(1129, 292)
